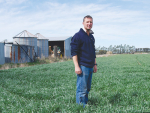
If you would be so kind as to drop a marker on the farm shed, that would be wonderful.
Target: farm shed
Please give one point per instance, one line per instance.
(26, 38)
(2, 57)
(42, 46)
(18, 53)
(63, 43)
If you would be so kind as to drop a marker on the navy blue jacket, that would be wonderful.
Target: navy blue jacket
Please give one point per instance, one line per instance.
(83, 46)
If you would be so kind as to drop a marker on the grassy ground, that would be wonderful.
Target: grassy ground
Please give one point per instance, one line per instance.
(120, 85)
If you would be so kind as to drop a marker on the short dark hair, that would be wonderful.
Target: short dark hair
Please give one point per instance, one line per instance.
(88, 16)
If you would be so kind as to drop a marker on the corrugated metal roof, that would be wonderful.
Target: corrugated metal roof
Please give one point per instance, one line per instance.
(39, 36)
(8, 42)
(25, 33)
(58, 38)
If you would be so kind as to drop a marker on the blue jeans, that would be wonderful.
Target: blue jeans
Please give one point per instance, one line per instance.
(83, 85)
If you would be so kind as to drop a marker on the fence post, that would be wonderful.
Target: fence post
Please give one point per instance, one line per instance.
(55, 51)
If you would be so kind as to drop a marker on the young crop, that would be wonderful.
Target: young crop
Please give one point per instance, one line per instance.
(120, 85)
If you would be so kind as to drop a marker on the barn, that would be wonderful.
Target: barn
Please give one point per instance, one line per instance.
(63, 43)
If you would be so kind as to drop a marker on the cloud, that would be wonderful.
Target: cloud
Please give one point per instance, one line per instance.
(138, 1)
(14, 1)
(64, 19)
(1, 1)
(129, 0)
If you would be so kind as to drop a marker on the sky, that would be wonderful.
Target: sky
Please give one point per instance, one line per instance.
(115, 22)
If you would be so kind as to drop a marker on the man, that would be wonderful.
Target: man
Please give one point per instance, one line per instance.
(84, 58)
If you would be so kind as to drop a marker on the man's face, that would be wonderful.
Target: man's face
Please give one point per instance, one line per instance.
(88, 23)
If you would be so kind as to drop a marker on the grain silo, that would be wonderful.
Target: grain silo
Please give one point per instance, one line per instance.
(42, 46)
(22, 53)
(26, 38)
(18, 53)
(63, 43)
(2, 57)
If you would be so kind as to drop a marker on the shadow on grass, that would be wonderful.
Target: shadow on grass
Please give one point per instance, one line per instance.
(1, 109)
(114, 99)
(94, 101)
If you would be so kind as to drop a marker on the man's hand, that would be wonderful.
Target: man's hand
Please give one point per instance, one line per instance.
(95, 69)
(78, 70)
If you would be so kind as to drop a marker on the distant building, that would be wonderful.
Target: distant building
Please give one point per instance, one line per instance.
(26, 47)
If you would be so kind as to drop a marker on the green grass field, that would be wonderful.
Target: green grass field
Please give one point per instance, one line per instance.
(122, 84)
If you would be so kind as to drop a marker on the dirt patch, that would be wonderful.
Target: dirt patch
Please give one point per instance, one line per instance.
(105, 55)
(141, 53)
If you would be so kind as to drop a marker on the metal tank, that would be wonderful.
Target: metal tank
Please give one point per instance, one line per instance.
(42, 46)
(2, 57)
(26, 38)
(18, 53)
(23, 54)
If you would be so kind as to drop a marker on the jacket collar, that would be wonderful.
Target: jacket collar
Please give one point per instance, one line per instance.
(91, 32)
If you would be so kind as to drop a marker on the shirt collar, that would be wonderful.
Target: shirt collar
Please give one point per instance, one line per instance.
(91, 32)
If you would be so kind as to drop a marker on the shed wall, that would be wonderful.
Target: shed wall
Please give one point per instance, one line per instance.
(68, 48)
(2, 58)
(8, 53)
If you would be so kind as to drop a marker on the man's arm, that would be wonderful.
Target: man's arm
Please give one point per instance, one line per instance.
(77, 68)
(95, 67)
